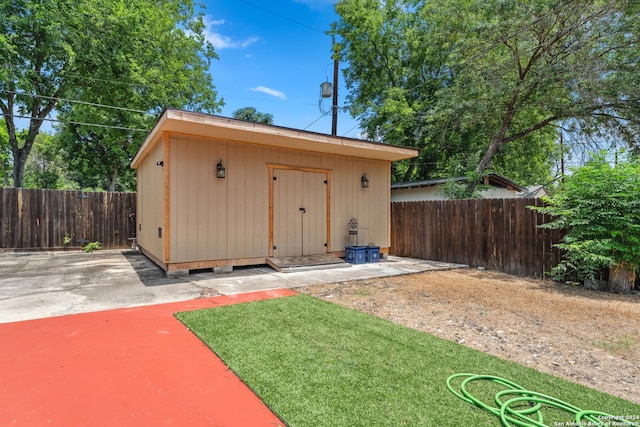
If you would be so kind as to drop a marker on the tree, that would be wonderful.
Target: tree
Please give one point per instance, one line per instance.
(99, 158)
(37, 60)
(155, 62)
(44, 168)
(141, 54)
(393, 75)
(599, 206)
(466, 80)
(5, 155)
(250, 114)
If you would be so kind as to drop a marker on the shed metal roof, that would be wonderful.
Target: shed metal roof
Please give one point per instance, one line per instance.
(233, 130)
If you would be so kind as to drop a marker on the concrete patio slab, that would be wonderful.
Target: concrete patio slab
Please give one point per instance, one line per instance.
(46, 284)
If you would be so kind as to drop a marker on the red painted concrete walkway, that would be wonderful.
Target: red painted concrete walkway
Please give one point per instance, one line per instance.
(128, 367)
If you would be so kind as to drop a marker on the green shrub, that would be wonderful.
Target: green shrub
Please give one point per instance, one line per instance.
(92, 246)
(599, 206)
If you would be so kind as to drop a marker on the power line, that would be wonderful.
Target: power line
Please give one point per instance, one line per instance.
(115, 108)
(252, 98)
(345, 133)
(78, 76)
(75, 101)
(310, 124)
(282, 16)
(77, 123)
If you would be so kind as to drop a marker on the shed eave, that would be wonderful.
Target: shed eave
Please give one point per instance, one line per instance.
(149, 142)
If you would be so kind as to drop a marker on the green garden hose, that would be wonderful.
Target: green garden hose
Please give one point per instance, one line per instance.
(534, 403)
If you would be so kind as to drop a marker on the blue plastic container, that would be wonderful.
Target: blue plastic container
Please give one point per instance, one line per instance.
(356, 254)
(373, 253)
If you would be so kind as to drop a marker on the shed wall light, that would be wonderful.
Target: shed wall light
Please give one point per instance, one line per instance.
(364, 180)
(220, 170)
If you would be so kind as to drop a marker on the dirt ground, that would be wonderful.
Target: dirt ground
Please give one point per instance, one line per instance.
(585, 336)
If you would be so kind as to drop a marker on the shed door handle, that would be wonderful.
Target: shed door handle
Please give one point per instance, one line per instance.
(303, 210)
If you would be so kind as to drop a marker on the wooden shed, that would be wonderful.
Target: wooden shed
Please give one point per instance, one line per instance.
(219, 192)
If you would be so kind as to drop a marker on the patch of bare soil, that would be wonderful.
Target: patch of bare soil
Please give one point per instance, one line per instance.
(588, 337)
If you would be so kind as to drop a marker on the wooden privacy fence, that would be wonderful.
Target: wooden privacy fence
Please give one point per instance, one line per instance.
(499, 234)
(40, 219)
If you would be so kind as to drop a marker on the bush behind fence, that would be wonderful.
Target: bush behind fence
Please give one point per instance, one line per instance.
(499, 234)
(40, 219)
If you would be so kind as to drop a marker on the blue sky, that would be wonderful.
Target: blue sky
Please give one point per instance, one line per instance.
(273, 56)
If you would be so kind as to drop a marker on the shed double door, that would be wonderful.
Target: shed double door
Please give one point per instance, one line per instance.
(299, 213)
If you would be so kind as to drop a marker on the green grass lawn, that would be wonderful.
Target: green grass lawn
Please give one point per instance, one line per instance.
(319, 364)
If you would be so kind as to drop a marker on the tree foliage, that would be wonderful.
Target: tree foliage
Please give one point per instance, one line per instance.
(599, 206)
(251, 114)
(138, 55)
(38, 59)
(44, 168)
(486, 85)
(454, 190)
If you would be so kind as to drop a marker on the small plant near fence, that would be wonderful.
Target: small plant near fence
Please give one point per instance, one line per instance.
(92, 246)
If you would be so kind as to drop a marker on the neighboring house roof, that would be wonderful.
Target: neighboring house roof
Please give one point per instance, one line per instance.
(533, 191)
(226, 129)
(492, 179)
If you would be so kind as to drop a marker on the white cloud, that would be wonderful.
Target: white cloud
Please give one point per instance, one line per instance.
(217, 22)
(220, 41)
(269, 91)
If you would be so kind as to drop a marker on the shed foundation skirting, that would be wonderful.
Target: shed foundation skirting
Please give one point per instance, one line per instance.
(182, 268)
(200, 265)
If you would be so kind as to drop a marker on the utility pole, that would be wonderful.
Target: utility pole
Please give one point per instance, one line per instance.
(562, 154)
(334, 108)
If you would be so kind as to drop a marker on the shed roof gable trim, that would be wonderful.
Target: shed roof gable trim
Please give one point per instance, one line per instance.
(232, 130)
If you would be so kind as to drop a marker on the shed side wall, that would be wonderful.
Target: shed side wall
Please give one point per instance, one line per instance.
(150, 203)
